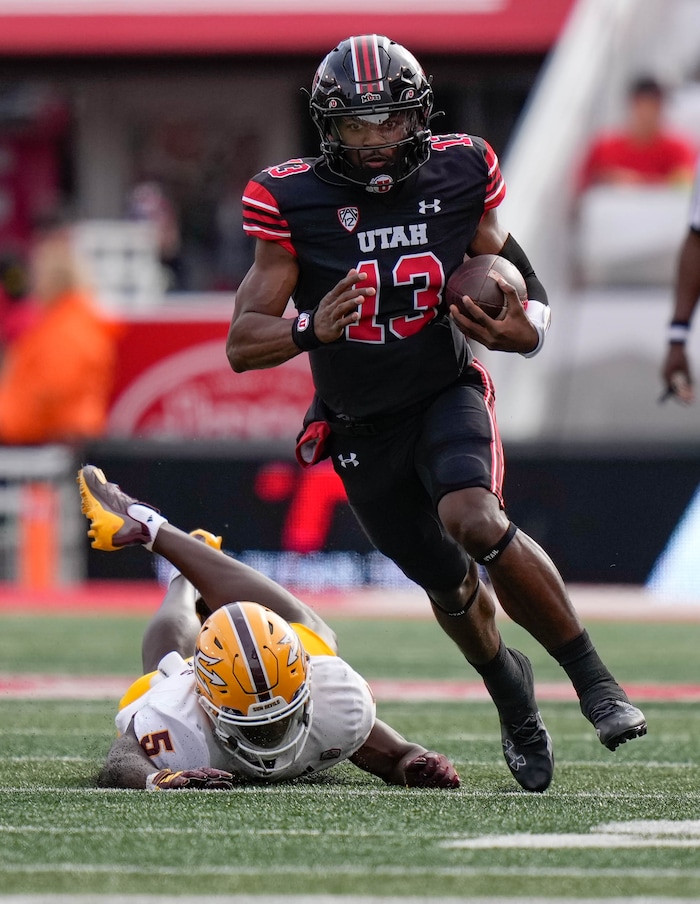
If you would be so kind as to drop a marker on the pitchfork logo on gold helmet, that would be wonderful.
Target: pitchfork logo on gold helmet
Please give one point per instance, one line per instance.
(251, 674)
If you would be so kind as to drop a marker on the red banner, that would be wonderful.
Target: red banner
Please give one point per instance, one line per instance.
(174, 380)
(448, 26)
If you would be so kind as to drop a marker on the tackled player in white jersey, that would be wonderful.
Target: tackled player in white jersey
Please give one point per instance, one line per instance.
(254, 692)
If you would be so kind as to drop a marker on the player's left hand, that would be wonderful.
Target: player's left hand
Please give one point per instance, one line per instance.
(430, 770)
(203, 779)
(676, 375)
(514, 333)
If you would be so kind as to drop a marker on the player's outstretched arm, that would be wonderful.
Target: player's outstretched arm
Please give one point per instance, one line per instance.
(392, 758)
(676, 372)
(128, 766)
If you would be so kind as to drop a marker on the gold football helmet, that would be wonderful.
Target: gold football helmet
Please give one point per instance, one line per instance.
(251, 675)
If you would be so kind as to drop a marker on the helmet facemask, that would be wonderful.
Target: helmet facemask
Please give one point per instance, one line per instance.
(252, 682)
(369, 164)
(268, 740)
(372, 79)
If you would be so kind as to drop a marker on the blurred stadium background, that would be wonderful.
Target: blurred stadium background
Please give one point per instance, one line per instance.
(125, 113)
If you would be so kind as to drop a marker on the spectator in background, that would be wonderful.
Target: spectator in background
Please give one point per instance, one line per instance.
(148, 202)
(235, 249)
(676, 369)
(644, 152)
(17, 311)
(56, 377)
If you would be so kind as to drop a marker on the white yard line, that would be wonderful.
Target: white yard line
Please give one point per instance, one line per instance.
(318, 899)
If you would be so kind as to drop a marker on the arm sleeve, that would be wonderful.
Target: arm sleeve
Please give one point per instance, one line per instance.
(512, 252)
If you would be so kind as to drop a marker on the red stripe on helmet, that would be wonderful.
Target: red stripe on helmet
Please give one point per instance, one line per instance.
(366, 63)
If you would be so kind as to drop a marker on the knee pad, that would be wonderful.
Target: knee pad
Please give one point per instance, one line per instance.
(490, 557)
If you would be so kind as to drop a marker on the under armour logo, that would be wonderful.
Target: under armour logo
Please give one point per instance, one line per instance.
(515, 759)
(433, 205)
(350, 460)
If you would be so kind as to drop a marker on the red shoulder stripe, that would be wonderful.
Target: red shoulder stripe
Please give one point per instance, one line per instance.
(262, 218)
(496, 186)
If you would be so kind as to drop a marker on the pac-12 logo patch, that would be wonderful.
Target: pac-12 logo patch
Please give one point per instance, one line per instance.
(349, 217)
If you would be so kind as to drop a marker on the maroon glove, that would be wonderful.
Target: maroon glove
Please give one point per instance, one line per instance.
(431, 770)
(204, 779)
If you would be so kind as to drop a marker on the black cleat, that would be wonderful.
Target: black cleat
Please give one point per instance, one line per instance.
(617, 721)
(527, 745)
(528, 751)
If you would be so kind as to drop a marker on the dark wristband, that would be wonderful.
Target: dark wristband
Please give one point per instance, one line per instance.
(512, 252)
(678, 332)
(303, 334)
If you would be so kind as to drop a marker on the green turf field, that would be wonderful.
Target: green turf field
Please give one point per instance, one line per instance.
(612, 825)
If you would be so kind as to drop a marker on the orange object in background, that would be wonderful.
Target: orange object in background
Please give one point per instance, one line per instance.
(57, 377)
(38, 553)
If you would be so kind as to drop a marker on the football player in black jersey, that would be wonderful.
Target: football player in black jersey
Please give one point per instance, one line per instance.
(363, 239)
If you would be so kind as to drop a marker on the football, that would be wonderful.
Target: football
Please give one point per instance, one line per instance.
(473, 278)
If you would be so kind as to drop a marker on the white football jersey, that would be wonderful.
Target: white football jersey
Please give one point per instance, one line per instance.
(176, 733)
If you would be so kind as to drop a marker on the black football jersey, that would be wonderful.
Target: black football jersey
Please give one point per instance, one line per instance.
(408, 240)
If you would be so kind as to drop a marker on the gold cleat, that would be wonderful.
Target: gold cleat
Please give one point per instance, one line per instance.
(207, 537)
(106, 507)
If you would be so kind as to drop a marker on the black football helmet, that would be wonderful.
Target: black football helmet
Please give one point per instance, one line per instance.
(373, 78)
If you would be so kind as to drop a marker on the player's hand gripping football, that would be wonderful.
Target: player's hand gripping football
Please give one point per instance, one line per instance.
(514, 333)
(430, 770)
(339, 308)
(204, 779)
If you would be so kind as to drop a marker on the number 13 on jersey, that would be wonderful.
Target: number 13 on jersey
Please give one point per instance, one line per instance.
(425, 273)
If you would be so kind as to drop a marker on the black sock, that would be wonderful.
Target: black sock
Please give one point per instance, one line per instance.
(588, 673)
(508, 684)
